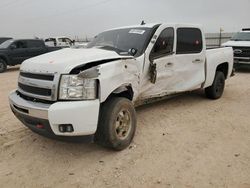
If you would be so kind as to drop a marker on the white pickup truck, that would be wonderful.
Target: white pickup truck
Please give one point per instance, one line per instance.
(240, 43)
(94, 91)
(59, 42)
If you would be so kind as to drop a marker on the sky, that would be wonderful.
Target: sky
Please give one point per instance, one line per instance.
(86, 18)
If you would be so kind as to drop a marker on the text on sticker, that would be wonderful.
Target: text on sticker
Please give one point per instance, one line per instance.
(137, 31)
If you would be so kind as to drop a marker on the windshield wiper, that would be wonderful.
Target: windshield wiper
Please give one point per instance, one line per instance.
(111, 48)
(130, 52)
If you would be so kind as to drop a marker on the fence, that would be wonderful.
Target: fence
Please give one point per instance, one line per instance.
(214, 40)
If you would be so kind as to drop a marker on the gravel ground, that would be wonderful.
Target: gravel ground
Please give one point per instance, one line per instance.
(188, 141)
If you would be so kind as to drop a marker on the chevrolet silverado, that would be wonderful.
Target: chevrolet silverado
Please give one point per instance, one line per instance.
(93, 91)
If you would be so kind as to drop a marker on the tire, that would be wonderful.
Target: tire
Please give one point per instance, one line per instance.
(3, 66)
(216, 90)
(117, 124)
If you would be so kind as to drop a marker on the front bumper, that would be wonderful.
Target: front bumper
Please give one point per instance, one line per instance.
(242, 60)
(82, 115)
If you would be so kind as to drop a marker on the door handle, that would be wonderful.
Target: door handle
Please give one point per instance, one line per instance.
(170, 64)
(197, 61)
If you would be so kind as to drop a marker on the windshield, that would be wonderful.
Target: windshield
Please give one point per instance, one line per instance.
(6, 44)
(123, 40)
(243, 36)
(4, 39)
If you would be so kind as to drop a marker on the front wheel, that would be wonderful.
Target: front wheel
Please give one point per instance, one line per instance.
(117, 123)
(216, 90)
(3, 65)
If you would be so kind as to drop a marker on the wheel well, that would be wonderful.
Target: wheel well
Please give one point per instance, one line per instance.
(3, 58)
(123, 91)
(223, 68)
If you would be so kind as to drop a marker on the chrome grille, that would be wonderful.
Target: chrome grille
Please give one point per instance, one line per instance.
(38, 86)
(242, 51)
(35, 90)
(37, 76)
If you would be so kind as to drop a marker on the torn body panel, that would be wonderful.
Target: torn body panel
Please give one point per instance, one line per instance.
(119, 74)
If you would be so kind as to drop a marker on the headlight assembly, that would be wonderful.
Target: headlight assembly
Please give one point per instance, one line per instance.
(73, 87)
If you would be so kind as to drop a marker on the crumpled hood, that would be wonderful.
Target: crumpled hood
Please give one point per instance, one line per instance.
(63, 61)
(232, 43)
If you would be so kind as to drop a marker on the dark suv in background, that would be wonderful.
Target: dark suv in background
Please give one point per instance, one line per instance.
(14, 52)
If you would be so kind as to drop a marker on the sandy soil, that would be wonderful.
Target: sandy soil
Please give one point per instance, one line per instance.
(188, 141)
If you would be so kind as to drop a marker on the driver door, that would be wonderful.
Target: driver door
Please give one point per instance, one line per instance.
(163, 59)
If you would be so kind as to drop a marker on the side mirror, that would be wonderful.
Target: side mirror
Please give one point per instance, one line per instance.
(152, 72)
(132, 51)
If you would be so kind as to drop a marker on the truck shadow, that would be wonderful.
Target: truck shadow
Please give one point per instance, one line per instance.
(65, 148)
(12, 69)
(243, 69)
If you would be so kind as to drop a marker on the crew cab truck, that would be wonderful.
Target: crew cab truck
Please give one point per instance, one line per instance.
(94, 91)
(240, 43)
(14, 52)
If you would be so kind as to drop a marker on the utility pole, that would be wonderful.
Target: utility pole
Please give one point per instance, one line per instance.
(220, 39)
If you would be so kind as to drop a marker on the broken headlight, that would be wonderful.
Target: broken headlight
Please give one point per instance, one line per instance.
(73, 87)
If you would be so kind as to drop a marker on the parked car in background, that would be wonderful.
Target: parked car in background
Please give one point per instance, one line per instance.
(241, 46)
(14, 52)
(3, 39)
(93, 91)
(59, 41)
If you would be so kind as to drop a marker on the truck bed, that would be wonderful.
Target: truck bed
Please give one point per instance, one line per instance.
(215, 57)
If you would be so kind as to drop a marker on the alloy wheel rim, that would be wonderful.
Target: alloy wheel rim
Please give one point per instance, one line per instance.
(123, 124)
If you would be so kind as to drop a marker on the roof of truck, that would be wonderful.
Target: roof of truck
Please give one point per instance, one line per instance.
(151, 25)
(245, 31)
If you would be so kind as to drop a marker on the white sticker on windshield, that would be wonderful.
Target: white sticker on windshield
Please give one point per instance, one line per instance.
(137, 31)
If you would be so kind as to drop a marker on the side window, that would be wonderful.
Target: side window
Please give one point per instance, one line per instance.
(164, 44)
(189, 40)
(35, 44)
(63, 39)
(68, 40)
(20, 44)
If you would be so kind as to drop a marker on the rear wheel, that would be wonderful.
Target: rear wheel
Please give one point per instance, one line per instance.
(3, 65)
(117, 124)
(216, 90)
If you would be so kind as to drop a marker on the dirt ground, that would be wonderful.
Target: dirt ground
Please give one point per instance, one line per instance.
(188, 141)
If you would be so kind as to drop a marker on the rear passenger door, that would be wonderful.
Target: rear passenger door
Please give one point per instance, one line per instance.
(189, 66)
(35, 48)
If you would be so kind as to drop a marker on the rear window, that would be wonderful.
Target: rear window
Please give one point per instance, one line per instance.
(35, 44)
(189, 40)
